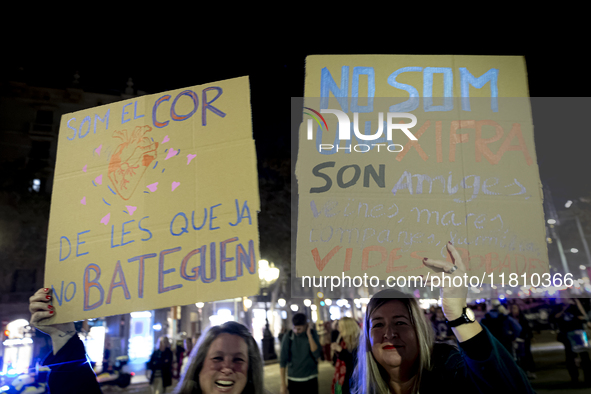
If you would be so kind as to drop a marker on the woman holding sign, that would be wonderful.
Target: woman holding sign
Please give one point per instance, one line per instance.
(226, 359)
(397, 353)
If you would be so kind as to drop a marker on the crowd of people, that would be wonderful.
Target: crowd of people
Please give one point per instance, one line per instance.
(396, 348)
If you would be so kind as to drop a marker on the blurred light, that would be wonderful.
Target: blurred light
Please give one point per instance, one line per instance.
(574, 250)
(549, 240)
(223, 315)
(307, 302)
(200, 304)
(582, 267)
(281, 302)
(247, 303)
(501, 297)
(364, 300)
(341, 302)
(141, 314)
(313, 307)
(5, 388)
(328, 301)
(320, 294)
(568, 204)
(509, 292)
(551, 221)
(314, 316)
(294, 307)
(36, 184)
(335, 312)
(322, 303)
(17, 341)
(263, 266)
(157, 327)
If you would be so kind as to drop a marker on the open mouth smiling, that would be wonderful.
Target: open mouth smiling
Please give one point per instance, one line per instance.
(224, 385)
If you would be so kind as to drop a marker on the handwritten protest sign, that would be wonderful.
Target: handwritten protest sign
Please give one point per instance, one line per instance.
(154, 203)
(400, 154)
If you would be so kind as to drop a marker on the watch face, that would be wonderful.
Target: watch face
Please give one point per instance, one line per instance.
(470, 314)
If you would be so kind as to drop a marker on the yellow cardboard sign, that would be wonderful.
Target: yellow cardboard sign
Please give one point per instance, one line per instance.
(377, 207)
(155, 203)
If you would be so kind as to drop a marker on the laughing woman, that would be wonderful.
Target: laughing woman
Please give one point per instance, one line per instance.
(397, 353)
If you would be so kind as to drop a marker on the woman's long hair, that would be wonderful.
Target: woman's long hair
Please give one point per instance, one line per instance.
(370, 377)
(349, 330)
(189, 382)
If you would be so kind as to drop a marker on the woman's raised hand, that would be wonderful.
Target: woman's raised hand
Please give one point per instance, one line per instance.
(453, 298)
(41, 310)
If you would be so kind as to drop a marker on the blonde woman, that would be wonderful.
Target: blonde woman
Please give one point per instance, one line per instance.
(345, 349)
(397, 353)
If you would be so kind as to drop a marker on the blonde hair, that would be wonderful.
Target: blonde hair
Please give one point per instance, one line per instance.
(369, 376)
(349, 330)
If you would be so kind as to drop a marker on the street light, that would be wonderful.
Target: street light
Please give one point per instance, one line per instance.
(200, 306)
(268, 274)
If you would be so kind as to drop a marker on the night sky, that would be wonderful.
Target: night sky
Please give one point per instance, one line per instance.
(277, 73)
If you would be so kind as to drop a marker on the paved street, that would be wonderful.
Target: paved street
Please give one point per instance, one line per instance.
(552, 376)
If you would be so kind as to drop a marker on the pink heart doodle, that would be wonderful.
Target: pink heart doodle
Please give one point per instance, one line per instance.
(153, 187)
(106, 219)
(190, 157)
(83, 201)
(84, 169)
(98, 150)
(99, 179)
(175, 185)
(131, 209)
(165, 139)
(171, 153)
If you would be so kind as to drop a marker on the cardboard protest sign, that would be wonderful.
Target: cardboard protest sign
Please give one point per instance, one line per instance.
(155, 203)
(400, 154)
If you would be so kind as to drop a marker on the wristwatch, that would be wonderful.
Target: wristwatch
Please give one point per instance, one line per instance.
(467, 317)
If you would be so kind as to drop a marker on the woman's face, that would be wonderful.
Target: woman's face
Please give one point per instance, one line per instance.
(225, 369)
(393, 338)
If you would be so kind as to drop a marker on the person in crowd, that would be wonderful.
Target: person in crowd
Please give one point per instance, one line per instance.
(226, 358)
(397, 353)
(525, 358)
(345, 349)
(161, 366)
(188, 342)
(321, 331)
(569, 319)
(106, 355)
(443, 333)
(480, 311)
(283, 330)
(504, 328)
(325, 341)
(298, 360)
(179, 355)
(334, 335)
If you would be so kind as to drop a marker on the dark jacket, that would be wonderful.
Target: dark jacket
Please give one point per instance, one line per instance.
(480, 365)
(504, 328)
(297, 356)
(161, 360)
(71, 372)
(349, 357)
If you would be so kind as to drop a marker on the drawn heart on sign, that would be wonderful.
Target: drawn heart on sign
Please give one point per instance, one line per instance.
(131, 160)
